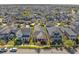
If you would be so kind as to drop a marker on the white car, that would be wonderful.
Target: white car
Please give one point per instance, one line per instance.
(13, 49)
(3, 49)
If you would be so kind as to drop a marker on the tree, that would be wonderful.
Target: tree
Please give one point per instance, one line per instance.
(69, 43)
(11, 42)
(19, 26)
(25, 13)
(2, 42)
(0, 23)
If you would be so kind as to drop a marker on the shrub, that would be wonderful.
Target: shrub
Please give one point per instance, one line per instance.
(10, 46)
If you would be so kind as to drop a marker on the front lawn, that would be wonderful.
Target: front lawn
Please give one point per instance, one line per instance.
(11, 42)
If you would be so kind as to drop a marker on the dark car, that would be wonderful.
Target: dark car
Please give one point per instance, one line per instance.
(3, 50)
(71, 50)
(13, 49)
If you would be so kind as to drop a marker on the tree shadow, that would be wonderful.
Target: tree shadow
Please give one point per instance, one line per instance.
(71, 50)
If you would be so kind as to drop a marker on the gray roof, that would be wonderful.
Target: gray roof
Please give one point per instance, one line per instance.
(76, 23)
(41, 35)
(53, 29)
(19, 33)
(25, 31)
(68, 30)
(38, 32)
(13, 27)
(37, 28)
(5, 31)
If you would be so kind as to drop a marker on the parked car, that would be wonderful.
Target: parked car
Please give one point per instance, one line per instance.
(71, 50)
(3, 50)
(13, 49)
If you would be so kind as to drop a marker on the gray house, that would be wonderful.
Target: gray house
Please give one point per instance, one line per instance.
(39, 34)
(5, 34)
(54, 33)
(21, 19)
(69, 33)
(24, 33)
(76, 25)
(7, 19)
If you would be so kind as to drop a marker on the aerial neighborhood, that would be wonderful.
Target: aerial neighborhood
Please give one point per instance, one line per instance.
(39, 26)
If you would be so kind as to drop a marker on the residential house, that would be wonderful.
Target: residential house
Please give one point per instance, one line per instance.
(23, 34)
(39, 35)
(69, 33)
(54, 33)
(5, 33)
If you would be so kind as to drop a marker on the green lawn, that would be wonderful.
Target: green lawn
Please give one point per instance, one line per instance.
(11, 42)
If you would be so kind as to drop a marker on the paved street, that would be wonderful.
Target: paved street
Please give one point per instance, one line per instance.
(42, 51)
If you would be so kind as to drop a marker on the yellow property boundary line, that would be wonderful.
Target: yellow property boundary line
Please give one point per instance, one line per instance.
(25, 46)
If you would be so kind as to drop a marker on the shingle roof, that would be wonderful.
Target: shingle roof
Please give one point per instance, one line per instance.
(5, 31)
(38, 32)
(37, 28)
(25, 31)
(68, 30)
(41, 35)
(53, 29)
